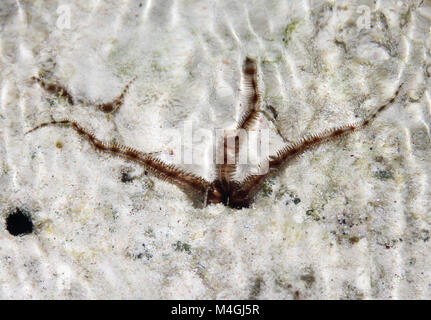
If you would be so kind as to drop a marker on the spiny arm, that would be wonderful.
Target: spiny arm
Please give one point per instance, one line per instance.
(251, 184)
(54, 89)
(59, 90)
(185, 180)
(111, 107)
(251, 92)
(290, 150)
(250, 113)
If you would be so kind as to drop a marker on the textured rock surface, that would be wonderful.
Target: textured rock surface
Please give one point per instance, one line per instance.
(349, 219)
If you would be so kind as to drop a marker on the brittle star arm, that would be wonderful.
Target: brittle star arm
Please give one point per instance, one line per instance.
(251, 93)
(250, 113)
(188, 182)
(61, 91)
(55, 89)
(253, 99)
(251, 184)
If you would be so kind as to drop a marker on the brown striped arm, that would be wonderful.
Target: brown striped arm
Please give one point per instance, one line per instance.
(225, 171)
(60, 91)
(192, 184)
(290, 150)
(251, 93)
(245, 192)
(54, 89)
(251, 184)
(113, 106)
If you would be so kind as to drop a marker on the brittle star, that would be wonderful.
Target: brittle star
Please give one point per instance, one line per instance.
(224, 188)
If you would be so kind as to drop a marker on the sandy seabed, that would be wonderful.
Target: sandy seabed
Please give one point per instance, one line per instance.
(349, 219)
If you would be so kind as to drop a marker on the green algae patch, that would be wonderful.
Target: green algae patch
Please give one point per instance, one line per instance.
(267, 187)
(182, 246)
(121, 62)
(288, 30)
(296, 200)
(384, 175)
(312, 214)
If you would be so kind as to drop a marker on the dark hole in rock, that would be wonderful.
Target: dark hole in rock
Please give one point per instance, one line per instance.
(126, 177)
(19, 223)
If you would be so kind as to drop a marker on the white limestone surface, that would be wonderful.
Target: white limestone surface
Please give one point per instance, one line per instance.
(347, 220)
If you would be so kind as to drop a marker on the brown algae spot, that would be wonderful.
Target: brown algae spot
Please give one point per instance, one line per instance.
(309, 279)
(59, 144)
(256, 289)
(354, 240)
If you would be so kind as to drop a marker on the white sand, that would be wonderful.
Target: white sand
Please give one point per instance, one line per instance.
(361, 228)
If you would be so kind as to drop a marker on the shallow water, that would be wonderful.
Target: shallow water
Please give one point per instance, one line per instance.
(349, 219)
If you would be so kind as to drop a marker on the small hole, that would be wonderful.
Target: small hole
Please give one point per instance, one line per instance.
(126, 177)
(19, 223)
